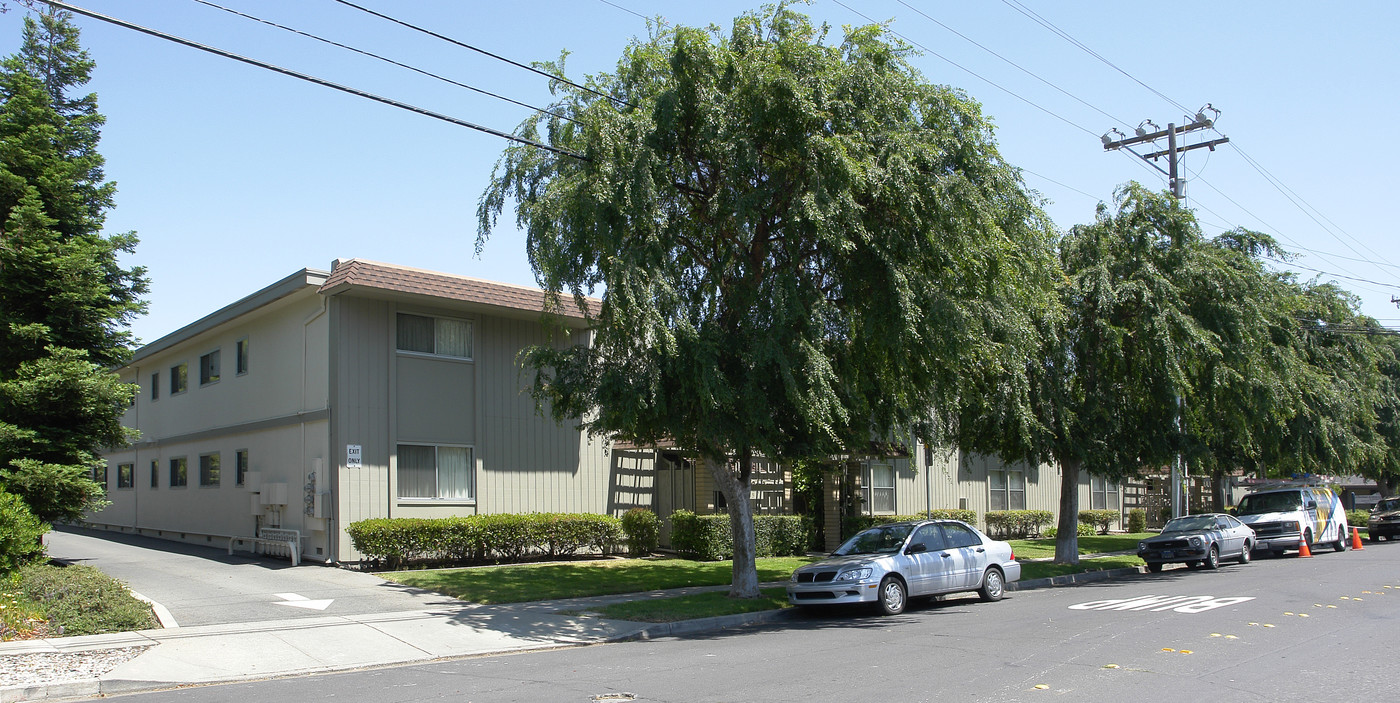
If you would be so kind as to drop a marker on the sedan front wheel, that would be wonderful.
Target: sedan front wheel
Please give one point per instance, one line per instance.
(892, 596)
(1213, 558)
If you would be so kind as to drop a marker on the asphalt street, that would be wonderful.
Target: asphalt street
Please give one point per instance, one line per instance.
(205, 586)
(1280, 629)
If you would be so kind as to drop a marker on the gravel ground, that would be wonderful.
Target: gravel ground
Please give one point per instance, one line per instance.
(31, 668)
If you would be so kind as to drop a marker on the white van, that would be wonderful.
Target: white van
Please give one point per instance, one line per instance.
(1282, 518)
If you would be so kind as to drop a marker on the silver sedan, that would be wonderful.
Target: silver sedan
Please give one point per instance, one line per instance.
(1198, 539)
(889, 564)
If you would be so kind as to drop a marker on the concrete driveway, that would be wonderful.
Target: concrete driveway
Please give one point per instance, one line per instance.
(205, 586)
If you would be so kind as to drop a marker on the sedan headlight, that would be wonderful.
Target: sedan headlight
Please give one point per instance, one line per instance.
(1197, 541)
(1142, 546)
(854, 575)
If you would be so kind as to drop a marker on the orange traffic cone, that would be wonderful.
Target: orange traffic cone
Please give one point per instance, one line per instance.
(1356, 539)
(1303, 550)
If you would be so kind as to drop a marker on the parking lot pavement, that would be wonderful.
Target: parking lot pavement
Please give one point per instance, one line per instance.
(202, 585)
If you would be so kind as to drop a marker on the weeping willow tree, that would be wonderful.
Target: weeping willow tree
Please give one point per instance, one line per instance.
(802, 245)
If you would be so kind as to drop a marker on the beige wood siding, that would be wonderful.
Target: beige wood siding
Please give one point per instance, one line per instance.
(360, 351)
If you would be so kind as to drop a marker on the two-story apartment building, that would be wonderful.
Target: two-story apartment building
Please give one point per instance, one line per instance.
(374, 390)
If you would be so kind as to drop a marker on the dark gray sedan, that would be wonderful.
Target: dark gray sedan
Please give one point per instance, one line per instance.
(889, 564)
(1198, 539)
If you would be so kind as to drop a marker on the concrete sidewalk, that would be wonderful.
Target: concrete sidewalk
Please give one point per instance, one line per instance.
(184, 656)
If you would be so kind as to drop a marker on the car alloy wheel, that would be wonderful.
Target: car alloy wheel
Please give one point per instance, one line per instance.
(1244, 553)
(1213, 558)
(892, 596)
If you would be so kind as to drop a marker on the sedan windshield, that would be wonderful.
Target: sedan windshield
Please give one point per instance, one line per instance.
(1270, 503)
(1190, 523)
(886, 539)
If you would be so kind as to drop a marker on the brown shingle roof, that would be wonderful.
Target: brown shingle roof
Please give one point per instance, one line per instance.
(402, 279)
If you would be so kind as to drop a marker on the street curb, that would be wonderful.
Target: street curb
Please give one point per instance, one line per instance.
(1073, 579)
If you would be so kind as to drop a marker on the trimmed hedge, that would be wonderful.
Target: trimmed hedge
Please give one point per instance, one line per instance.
(1018, 523)
(643, 531)
(1100, 519)
(709, 538)
(501, 538)
(1357, 518)
(1137, 520)
(852, 524)
(1081, 529)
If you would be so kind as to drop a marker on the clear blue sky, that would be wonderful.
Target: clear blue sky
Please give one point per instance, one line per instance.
(234, 176)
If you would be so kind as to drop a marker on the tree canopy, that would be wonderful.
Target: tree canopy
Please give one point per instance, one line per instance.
(802, 247)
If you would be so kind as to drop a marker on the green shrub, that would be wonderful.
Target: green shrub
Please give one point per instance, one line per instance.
(852, 524)
(1137, 520)
(84, 601)
(1358, 518)
(1018, 523)
(709, 537)
(1080, 529)
(1102, 519)
(396, 542)
(20, 532)
(643, 531)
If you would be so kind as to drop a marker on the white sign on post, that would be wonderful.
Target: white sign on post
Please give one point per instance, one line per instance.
(352, 456)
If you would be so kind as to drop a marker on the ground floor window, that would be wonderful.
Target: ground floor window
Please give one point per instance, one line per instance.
(436, 471)
(1103, 494)
(126, 475)
(877, 490)
(179, 472)
(240, 464)
(1007, 490)
(209, 469)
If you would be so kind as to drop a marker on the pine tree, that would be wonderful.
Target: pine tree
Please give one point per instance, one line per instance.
(65, 299)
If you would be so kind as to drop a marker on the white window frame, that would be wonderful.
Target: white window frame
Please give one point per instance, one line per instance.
(1100, 489)
(1012, 490)
(869, 492)
(437, 482)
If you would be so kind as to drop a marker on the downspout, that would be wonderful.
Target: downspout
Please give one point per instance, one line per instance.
(327, 465)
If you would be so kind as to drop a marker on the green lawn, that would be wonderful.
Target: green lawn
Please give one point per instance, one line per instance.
(1044, 569)
(692, 607)
(528, 582)
(1096, 544)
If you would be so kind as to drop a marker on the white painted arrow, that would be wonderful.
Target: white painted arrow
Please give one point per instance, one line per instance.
(300, 601)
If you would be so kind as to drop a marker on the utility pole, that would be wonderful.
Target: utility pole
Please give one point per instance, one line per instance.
(1173, 151)
(1179, 502)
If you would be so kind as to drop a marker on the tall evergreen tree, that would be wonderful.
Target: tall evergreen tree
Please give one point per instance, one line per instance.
(65, 299)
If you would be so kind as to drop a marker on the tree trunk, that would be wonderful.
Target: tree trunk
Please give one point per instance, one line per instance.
(1067, 529)
(735, 488)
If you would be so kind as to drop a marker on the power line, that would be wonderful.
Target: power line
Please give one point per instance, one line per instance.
(1273, 180)
(484, 52)
(415, 69)
(967, 70)
(312, 79)
(1336, 275)
(1013, 63)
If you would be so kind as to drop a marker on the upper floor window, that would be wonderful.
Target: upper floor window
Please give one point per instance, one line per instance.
(209, 368)
(241, 357)
(155, 386)
(434, 335)
(179, 378)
